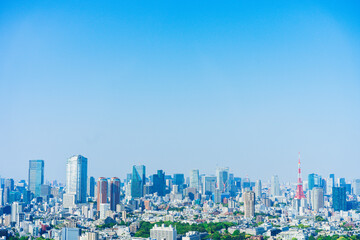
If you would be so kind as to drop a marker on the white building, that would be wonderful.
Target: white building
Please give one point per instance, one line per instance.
(76, 177)
(163, 233)
(104, 208)
(192, 235)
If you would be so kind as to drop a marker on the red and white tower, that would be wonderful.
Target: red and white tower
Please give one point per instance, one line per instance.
(299, 189)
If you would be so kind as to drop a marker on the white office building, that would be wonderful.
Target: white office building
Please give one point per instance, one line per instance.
(76, 177)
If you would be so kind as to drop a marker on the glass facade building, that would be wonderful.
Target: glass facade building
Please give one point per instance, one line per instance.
(339, 198)
(36, 176)
(159, 185)
(222, 178)
(137, 181)
(195, 179)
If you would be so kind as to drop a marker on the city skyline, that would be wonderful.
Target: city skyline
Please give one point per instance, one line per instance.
(181, 86)
(312, 178)
(180, 120)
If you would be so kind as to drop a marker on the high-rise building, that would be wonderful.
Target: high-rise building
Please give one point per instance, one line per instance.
(76, 177)
(16, 208)
(339, 198)
(6, 195)
(9, 183)
(102, 192)
(330, 183)
(222, 177)
(36, 176)
(332, 177)
(1, 196)
(356, 187)
(258, 189)
(91, 187)
(138, 181)
(163, 233)
(341, 182)
(237, 182)
(249, 204)
(246, 184)
(209, 184)
(275, 186)
(195, 179)
(314, 180)
(217, 196)
(178, 179)
(317, 198)
(159, 185)
(114, 193)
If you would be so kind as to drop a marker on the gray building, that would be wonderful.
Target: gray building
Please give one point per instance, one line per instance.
(317, 198)
(275, 186)
(249, 204)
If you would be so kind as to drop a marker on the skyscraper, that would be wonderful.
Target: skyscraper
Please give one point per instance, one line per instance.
(178, 179)
(76, 177)
(330, 183)
(258, 189)
(249, 204)
(159, 185)
(317, 198)
(36, 176)
(91, 187)
(222, 177)
(339, 198)
(195, 179)
(102, 192)
(341, 182)
(356, 187)
(314, 180)
(275, 186)
(209, 184)
(9, 183)
(114, 193)
(137, 181)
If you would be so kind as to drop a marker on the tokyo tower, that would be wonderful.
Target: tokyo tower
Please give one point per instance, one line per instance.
(299, 189)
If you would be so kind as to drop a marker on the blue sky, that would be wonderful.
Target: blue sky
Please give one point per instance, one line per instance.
(177, 85)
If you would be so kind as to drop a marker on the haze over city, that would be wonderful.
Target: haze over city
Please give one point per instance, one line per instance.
(180, 86)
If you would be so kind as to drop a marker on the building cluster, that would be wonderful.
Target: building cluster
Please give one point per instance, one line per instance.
(110, 208)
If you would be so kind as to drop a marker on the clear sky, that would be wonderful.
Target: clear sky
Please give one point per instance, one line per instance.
(177, 85)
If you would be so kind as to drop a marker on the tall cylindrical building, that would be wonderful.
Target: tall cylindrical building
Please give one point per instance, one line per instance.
(102, 191)
(114, 193)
